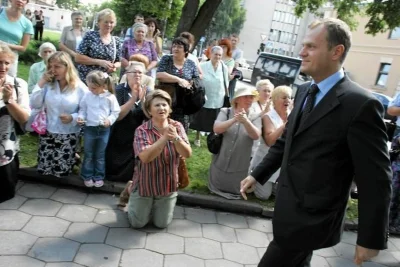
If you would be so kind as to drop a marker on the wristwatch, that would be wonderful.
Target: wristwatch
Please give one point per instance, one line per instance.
(9, 101)
(178, 138)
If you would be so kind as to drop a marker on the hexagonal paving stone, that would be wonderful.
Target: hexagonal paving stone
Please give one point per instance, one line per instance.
(395, 241)
(182, 261)
(13, 203)
(98, 255)
(87, 232)
(349, 238)
(231, 220)
(54, 249)
(13, 242)
(340, 262)
(240, 253)
(69, 196)
(77, 213)
(146, 258)
(185, 228)
(63, 264)
(112, 218)
(36, 190)
(19, 261)
(13, 219)
(179, 213)
(102, 201)
(200, 215)
(126, 238)
(164, 243)
(41, 207)
(396, 254)
(222, 263)
(46, 227)
(319, 261)
(219, 233)
(252, 238)
(345, 250)
(325, 252)
(203, 248)
(262, 225)
(386, 258)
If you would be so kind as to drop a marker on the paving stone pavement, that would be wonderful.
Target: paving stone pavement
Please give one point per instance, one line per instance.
(48, 226)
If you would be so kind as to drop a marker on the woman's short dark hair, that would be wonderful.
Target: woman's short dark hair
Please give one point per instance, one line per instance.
(188, 36)
(150, 21)
(182, 41)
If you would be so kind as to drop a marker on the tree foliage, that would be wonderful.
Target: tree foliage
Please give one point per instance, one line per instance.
(383, 15)
(68, 4)
(229, 18)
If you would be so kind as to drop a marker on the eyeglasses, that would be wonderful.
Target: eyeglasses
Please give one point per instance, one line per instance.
(135, 72)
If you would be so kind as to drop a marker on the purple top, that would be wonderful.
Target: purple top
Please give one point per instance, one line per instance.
(130, 48)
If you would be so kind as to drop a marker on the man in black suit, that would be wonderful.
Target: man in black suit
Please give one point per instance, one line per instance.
(335, 133)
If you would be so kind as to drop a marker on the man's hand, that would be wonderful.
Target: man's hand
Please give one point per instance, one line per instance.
(246, 184)
(364, 254)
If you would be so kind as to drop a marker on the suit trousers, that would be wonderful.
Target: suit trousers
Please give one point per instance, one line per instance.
(278, 257)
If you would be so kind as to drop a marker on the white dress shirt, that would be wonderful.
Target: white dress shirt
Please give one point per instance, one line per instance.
(59, 102)
(94, 109)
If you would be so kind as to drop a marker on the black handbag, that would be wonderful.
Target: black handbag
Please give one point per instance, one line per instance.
(192, 99)
(214, 141)
(227, 102)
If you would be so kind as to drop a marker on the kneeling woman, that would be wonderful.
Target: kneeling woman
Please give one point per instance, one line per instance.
(158, 143)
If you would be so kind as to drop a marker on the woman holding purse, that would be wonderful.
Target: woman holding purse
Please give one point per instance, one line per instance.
(216, 81)
(59, 93)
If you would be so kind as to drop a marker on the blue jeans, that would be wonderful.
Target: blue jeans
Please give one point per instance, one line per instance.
(95, 143)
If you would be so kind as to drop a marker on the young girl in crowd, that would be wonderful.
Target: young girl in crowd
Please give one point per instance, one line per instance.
(99, 109)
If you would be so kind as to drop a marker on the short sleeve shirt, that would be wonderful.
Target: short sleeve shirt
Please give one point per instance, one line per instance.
(92, 46)
(12, 31)
(188, 71)
(396, 103)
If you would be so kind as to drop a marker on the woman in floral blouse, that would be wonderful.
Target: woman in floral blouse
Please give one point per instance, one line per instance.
(99, 50)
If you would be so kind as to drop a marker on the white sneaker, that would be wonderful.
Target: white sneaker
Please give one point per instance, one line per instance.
(197, 143)
(99, 183)
(88, 183)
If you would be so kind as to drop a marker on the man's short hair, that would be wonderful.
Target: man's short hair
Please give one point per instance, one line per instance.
(235, 35)
(338, 33)
(139, 16)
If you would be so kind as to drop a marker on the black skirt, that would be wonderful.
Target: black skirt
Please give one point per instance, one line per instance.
(204, 119)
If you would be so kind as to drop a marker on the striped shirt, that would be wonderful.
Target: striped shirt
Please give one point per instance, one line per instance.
(160, 176)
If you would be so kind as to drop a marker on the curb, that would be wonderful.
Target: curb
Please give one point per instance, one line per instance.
(184, 197)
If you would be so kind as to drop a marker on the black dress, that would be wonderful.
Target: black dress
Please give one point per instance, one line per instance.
(120, 157)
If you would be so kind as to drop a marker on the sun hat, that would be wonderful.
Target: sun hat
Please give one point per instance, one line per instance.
(244, 91)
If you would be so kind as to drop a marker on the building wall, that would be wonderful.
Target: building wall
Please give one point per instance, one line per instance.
(55, 18)
(367, 55)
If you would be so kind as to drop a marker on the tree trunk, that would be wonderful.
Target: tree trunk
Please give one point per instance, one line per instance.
(203, 19)
(189, 12)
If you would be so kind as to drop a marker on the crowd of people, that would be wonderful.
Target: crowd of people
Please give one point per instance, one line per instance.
(134, 130)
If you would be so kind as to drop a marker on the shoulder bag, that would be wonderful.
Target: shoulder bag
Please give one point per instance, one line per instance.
(19, 130)
(214, 141)
(227, 103)
(39, 119)
(183, 175)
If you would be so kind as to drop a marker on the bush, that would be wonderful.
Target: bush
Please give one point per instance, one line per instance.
(30, 55)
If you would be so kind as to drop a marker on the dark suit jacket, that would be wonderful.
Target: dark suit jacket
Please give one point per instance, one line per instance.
(343, 138)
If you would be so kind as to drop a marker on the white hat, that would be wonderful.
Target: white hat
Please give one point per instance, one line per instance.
(243, 91)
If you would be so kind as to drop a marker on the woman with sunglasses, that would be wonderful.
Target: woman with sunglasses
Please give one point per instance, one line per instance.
(130, 95)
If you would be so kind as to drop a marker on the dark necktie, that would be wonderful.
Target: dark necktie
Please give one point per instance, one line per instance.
(310, 100)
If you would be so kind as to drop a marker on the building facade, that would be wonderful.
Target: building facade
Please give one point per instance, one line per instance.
(273, 23)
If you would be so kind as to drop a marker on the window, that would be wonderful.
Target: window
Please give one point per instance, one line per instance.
(395, 33)
(383, 74)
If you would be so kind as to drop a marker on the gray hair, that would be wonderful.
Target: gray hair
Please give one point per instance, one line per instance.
(133, 64)
(264, 82)
(216, 48)
(139, 25)
(106, 13)
(76, 14)
(338, 33)
(46, 45)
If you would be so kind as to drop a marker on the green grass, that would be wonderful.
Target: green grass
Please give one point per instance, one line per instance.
(52, 35)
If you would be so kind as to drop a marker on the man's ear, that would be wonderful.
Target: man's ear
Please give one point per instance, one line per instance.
(338, 52)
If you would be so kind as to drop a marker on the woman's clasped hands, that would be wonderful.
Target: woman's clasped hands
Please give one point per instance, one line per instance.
(241, 116)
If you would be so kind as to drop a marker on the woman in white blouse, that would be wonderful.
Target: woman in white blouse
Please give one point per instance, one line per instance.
(60, 91)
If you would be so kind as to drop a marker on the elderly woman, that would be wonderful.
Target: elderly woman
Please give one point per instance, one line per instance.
(72, 36)
(177, 69)
(99, 50)
(158, 144)
(14, 109)
(273, 124)
(240, 126)
(120, 157)
(139, 45)
(215, 79)
(263, 105)
(15, 30)
(153, 35)
(38, 69)
(60, 91)
(147, 81)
